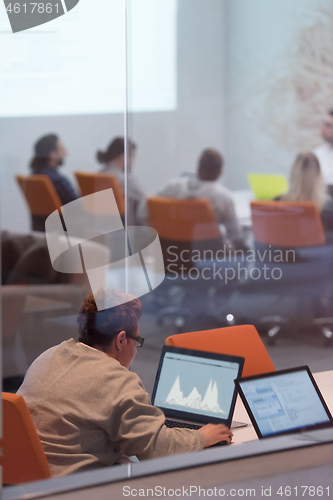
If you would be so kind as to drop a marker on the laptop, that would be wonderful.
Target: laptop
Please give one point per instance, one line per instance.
(194, 388)
(284, 402)
(267, 186)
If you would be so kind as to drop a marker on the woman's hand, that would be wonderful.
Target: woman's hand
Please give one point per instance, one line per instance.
(214, 433)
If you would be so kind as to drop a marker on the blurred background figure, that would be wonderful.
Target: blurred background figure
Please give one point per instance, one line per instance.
(324, 152)
(307, 184)
(50, 154)
(113, 161)
(206, 185)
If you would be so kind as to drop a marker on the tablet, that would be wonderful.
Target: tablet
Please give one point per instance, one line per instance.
(284, 402)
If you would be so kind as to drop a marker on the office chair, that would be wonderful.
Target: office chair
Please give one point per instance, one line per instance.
(90, 183)
(184, 226)
(41, 196)
(288, 225)
(242, 340)
(23, 458)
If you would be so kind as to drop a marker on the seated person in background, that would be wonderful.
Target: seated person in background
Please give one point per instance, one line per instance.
(89, 410)
(49, 156)
(206, 185)
(113, 160)
(307, 184)
(324, 152)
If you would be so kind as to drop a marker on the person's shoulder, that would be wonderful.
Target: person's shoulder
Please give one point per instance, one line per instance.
(124, 382)
(46, 357)
(172, 186)
(109, 369)
(221, 190)
(177, 181)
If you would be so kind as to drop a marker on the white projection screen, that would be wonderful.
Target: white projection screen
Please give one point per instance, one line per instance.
(74, 64)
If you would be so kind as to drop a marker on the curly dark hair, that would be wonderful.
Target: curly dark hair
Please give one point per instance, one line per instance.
(99, 328)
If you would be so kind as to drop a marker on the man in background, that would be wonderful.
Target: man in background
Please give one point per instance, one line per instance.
(49, 156)
(324, 152)
(206, 185)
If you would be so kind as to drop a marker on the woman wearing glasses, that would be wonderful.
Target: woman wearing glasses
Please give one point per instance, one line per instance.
(89, 410)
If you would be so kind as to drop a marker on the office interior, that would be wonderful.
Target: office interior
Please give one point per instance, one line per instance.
(249, 79)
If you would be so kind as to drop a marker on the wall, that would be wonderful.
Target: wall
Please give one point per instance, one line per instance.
(169, 142)
(233, 59)
(268, 118)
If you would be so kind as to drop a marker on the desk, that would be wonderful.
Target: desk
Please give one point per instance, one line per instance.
(244, 434)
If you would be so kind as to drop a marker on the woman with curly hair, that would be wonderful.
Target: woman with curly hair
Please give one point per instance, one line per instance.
(89, 410)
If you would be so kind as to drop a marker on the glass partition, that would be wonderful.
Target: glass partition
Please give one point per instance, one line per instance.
(178, 151)
(245, 234)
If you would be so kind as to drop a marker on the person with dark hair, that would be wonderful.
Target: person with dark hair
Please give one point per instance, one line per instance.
(205, 185)
(49, 156)
(113, 161)
(89, 410)
(324, 152)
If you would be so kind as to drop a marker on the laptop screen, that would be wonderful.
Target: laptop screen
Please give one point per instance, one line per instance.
(196, 383)
(284, 402)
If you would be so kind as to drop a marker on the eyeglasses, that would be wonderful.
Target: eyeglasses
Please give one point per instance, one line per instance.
(139, 340)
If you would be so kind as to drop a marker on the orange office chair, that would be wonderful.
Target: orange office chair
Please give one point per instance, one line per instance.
(297, 226)
(185, 224)
(190, 228)
(183, 220)
(287, 224)
(23, 458)
(41, 196)
(240, 340)
(92, 183)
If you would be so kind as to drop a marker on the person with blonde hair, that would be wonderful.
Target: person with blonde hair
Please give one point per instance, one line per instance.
(324, 152)
(307, 184)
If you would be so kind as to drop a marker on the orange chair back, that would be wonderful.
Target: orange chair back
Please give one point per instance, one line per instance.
(183, 220)
(241, 340)
(287, 224)
(23, 459)
(40, 194)
(93, 183)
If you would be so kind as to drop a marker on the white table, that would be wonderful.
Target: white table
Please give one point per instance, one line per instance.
(242, 199)
(244, 434)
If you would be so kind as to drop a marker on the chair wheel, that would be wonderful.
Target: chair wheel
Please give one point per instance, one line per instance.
(272, 333)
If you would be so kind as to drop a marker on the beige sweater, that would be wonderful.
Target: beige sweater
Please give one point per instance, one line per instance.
(90, 412)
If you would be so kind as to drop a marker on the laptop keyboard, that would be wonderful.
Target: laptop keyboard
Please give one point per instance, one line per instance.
(183, 425)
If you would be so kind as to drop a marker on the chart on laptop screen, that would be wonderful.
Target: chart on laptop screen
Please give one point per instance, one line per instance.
(196, 385)
(284, 402)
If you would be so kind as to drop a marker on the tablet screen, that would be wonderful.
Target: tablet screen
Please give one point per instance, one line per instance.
(284, 402)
